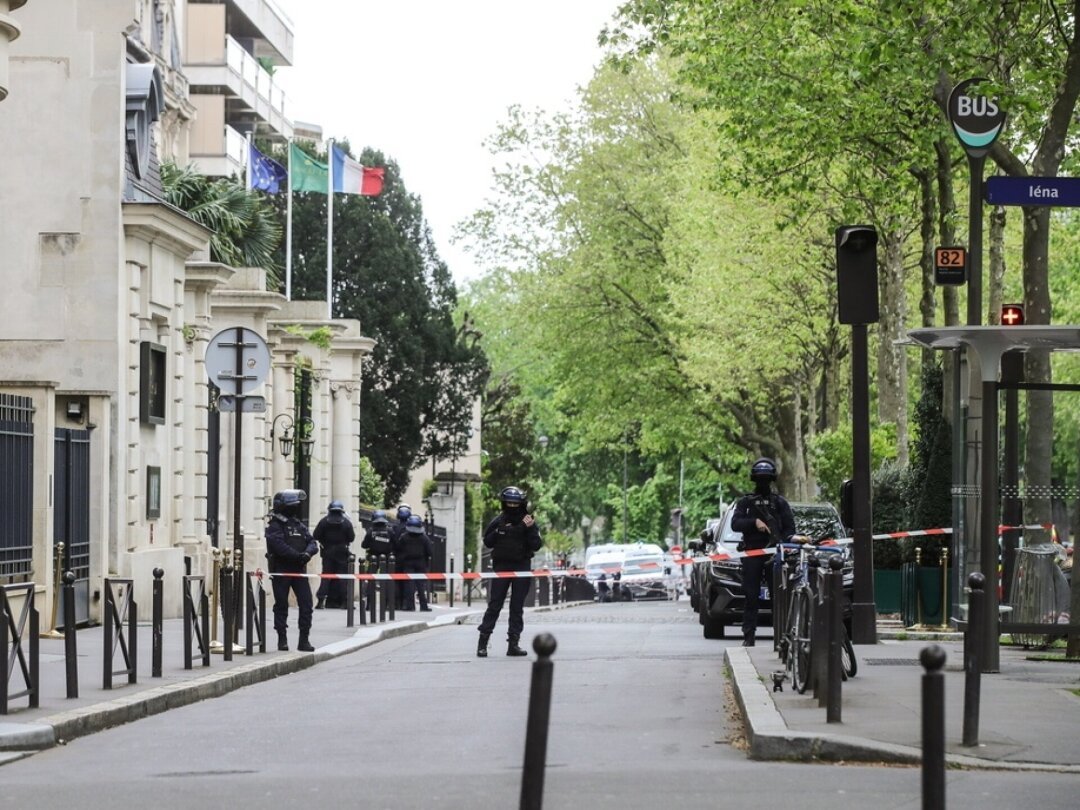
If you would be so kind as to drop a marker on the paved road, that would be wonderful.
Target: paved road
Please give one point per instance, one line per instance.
(638, 721)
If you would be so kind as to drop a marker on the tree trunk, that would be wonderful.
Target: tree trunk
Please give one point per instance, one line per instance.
(892, 360)
(997, 265)
(946, 228)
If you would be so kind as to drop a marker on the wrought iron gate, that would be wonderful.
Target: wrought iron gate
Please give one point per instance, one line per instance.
(16, 487)
(71, 511)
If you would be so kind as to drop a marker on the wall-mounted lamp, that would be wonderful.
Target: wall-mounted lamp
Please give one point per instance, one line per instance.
(75, 411)
(288, 436)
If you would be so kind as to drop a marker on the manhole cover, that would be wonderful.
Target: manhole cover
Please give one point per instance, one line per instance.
(892, 662)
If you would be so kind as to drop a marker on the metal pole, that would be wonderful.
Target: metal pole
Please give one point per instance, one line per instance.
(157, 620)
(391, 565)
(834, 619)
(189, 620)
(988, 551)
(238, 448)
(975, 229)
(468, 583)
(536, 732)
(972, 654)
(107, 637)
(71, 655)
(372, 589)
(58, 568)
(625, 502)
(933, 728)
(450, 583)
(864, 614)
(226, 608)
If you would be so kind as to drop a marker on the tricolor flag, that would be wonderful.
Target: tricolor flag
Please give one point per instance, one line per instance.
(351, 177)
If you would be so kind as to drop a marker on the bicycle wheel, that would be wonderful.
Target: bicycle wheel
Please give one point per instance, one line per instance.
(800, 639)
(848, 665)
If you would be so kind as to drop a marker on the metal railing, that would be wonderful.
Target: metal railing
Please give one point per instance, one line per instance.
(121, 630)
(196, 619)
(19, 643)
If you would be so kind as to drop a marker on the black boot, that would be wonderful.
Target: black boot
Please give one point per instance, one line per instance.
(282, 641)
(748, 640)
(512, 647)
(321, 604)
(304, 645)
(481, 646)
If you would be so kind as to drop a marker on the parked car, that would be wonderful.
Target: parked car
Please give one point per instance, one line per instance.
(719, 582)
(696, 548)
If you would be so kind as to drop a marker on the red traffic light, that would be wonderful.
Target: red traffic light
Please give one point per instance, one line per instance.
(1012, 315)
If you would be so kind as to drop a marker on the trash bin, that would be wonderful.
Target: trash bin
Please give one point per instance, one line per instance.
(1040, 592)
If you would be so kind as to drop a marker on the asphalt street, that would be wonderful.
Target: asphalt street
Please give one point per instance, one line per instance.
(640, 719)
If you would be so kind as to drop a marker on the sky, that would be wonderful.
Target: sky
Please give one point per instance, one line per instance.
(426, 81)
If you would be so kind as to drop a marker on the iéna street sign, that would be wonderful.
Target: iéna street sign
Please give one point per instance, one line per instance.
(1063, 191)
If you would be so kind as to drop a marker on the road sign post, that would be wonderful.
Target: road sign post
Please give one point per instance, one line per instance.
(238, 361)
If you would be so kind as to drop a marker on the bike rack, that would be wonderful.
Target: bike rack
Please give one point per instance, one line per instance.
(12, 634)
(196, 619)
(256, 613)
(120, 610)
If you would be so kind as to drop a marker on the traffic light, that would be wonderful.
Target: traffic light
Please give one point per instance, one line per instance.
(856, 274)
(1012, 315)
(676, 519)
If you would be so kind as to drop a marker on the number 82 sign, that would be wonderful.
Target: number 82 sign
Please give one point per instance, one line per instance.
(950, 265)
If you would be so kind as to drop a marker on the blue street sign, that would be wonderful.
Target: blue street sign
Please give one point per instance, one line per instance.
(1063, 191)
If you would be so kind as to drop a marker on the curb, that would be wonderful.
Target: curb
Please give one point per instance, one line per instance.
(771, 739)
(22, 739)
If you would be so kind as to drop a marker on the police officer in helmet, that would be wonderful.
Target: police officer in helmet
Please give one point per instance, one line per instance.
(334, 534)
(378, 541)
(289, 548)
(513, 539)
(413, 554)
(404, 512)
(764, 518)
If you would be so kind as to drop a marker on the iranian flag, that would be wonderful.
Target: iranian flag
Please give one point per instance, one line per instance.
(351, 177)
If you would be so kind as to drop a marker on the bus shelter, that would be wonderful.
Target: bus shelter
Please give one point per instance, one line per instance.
(995, 508)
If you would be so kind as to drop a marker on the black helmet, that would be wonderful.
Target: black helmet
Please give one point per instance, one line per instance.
(414, 524)
(288, 500)
(379, 517)
(336, 506)
(512, 496)
(764, 469)
(403, 511)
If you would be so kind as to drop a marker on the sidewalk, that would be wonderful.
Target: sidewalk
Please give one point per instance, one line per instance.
(1028, 720)
(59, 719)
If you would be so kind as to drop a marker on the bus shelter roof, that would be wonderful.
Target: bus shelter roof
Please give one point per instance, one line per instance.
(990, 342)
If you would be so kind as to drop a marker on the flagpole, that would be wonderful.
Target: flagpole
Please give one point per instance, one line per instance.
(247, 162)
(288, 227)
(329, 228)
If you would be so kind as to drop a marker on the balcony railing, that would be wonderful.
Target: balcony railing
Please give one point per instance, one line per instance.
(245, 79)
(229, 161)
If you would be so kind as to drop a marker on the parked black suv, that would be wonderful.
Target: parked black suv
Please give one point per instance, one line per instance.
(719, 582)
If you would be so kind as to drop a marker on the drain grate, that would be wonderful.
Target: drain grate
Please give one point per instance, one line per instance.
(891, 662)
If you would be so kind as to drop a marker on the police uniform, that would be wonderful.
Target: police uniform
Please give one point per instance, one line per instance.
(287, 538)
(774, 510)
(512, 545)
(378, 541)
(413, 555)
(334, 534)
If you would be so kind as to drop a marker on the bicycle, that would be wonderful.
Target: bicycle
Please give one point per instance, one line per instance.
(796, 641)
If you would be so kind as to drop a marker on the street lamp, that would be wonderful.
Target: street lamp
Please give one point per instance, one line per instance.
(543, 441)
(289, 436)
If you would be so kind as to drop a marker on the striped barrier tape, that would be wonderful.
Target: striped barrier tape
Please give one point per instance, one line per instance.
(435, 575)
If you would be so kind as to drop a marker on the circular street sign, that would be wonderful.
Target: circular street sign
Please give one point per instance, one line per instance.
(976, 120)
(221, 360)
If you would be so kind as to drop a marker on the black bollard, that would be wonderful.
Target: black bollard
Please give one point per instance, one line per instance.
(933, 728)
(468, 582)
(372, 585)
(536, 732)
(819, 659)
(71, 656)
(227, 612)
(157, 624)
(833, 632)
(384, 587)
(450, 582)
(391, 565)
(350, 595)
(972, 645)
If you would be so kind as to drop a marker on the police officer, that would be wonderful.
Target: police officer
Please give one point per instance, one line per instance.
(378, 541)
(289, 548)
(413, 555)
(334, 534)
(764, 518)
(404, 512)
(513, 539)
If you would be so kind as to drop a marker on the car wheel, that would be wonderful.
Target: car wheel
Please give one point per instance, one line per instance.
(693, 601)
(712, 628)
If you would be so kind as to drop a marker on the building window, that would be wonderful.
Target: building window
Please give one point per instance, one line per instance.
(153, 492)
(152, 383)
